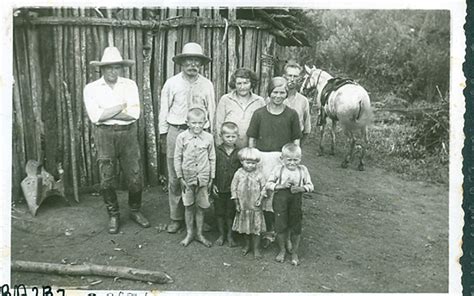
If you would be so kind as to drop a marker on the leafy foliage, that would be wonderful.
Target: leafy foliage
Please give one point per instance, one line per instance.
(432, 131)
(404, 52)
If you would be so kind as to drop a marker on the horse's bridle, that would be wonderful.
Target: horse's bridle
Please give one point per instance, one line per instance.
(306, 81)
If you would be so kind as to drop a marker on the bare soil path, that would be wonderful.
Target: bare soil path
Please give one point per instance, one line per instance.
(366, 231)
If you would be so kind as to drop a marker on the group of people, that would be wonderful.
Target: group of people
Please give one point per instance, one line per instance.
(245, 152)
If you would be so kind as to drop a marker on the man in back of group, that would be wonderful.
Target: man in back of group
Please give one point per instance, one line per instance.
(295, 100)
(181, 92)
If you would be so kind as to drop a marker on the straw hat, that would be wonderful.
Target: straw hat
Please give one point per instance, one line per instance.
(194, 50)
(112, 56)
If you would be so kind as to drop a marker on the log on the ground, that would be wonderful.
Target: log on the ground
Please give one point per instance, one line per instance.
(92, 269)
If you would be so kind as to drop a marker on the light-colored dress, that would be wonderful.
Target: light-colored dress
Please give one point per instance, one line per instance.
(268, 161)
(247, 188)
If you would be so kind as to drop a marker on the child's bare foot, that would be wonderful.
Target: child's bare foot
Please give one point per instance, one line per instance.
(220, 240)
(294, 259)
(256, 254)
(187, 240)
(281, 256)
(245, 250)
(231, 242)
(203, 240)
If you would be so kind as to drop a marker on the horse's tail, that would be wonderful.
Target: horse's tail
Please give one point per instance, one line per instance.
(365, 114)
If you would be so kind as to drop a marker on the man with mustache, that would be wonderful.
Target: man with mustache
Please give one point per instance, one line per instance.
(187, 89)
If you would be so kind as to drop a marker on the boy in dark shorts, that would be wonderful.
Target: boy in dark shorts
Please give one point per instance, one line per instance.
(227, 163)
(289, 181)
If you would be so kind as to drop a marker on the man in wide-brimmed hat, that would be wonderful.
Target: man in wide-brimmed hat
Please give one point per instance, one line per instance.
(113, 106)
(181, 92)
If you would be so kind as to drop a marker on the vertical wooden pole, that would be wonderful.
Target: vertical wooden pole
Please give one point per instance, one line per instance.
(20, 49)
(36, 93)
(151, 156)
(159, 70)
(69, 107)
(233, 57)
(268, 51)
(171, 49)
(138, 14)
(63, 54)
(249, 49)
(77, 104)
(258, 61)
(18, 134)
(219, 62)
(49, 111)
(85, 145)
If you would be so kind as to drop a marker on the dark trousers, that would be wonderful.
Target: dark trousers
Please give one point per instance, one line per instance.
(119, 144)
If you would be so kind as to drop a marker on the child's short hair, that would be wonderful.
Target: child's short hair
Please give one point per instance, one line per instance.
(290, 148)
(196, 112)
(229, 127)
(248, 153)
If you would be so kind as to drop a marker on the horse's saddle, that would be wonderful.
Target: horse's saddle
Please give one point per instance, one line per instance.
(332, 85)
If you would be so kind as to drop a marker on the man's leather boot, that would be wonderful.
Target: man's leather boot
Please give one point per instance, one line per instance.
(135, 202)
(111, 203)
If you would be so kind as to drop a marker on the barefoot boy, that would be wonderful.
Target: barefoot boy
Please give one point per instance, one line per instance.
(195, 164)
(227, 163)
(289, 181)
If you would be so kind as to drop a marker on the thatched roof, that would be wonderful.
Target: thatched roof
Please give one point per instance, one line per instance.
(287, 24)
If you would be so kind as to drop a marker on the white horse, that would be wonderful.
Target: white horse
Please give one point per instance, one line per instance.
(349, 104)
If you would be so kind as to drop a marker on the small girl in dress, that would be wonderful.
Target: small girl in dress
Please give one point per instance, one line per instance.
(247, 187)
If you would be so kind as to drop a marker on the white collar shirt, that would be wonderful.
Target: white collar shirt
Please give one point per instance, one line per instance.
(179, 95)
(98, 95)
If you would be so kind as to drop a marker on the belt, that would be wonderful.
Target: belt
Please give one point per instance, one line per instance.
(179, 126)
(116, 127)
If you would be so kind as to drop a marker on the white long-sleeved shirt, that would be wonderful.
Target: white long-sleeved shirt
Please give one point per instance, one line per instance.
(98, 96)
(299, 177)
(179, 95)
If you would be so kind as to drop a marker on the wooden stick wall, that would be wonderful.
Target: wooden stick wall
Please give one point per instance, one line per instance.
(51, 68)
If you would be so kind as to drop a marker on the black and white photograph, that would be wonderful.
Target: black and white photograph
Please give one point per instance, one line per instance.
(203, 147)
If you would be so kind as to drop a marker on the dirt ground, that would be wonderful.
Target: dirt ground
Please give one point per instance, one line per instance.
(366, 231)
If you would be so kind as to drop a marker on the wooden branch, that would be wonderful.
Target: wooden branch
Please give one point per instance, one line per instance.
(138, 24)
(92, 269)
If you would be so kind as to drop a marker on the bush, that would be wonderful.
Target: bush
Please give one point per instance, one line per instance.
(432, 131)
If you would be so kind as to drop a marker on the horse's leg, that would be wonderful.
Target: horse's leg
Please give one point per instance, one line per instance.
(364, 148)
(321, 149)
(349, 155)
(333, 136)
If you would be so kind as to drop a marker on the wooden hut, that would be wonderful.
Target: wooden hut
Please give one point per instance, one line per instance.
(53, 48)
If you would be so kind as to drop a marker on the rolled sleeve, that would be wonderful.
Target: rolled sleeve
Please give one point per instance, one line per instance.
(307, 184)
(273, 179)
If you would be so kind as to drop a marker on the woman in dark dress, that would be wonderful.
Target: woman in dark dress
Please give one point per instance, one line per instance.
(271, 127)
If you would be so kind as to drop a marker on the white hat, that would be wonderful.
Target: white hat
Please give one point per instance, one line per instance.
(191, 49)
(112, 56)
